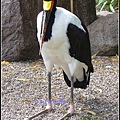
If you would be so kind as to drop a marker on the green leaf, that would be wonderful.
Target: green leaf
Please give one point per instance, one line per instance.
(112, 1)
(103, 5)
(111, 8)
(99, 2)
(86, 118)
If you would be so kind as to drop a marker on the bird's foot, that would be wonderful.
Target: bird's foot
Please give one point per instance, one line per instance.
(69, 113)
(49, 106)
(71, 109)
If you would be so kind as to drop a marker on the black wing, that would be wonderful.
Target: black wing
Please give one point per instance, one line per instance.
(80, 50)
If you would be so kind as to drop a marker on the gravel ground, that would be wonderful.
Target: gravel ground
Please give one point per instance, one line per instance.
(24, 91)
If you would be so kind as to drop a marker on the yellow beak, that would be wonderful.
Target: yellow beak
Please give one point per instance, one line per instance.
(47, 5)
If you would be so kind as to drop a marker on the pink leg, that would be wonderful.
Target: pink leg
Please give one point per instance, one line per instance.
(49, 106)
(71, 109)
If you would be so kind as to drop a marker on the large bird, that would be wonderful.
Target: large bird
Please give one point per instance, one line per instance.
(64, 41)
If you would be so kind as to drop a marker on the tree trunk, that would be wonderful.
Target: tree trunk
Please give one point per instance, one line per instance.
(84, 9)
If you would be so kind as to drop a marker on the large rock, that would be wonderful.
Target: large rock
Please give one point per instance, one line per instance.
(12, 35)
(19, 40)
(104, 35)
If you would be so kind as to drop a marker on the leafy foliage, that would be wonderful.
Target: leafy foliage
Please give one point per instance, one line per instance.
(110, 5)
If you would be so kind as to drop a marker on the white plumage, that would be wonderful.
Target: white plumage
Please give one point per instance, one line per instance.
(56, 50)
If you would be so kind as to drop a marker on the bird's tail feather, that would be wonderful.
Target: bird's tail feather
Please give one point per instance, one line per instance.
(78, 84)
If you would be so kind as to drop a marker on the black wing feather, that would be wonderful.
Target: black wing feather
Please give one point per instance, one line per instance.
(80, 50)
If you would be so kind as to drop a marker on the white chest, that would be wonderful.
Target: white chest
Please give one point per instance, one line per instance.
(56, 51)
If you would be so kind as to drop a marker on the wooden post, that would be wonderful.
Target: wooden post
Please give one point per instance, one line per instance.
(71, 5)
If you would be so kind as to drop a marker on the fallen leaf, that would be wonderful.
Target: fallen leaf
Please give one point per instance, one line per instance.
(40, 62)
(4, 62)
(54, 68)
(117, 56)
(55, 98)
(106, 115)
(117, 112)
(102, 68)
(23, 79)
(60, 68)
(107, 58)
(94, 55)
(81, 97)
(114, 59)
(26, 101)
(116, 69)
(39, 77)
(90, 112)
(36, 86)
(36, 63)
(10, 96)
(53, 86)
(5, 73)
(99, 62)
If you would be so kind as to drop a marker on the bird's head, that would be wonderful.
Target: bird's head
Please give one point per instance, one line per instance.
(48, 7)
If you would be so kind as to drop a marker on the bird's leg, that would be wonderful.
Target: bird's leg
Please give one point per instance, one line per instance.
(71, 109)
(49, 104)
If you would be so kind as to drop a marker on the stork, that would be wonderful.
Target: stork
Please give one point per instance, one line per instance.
(64, 41)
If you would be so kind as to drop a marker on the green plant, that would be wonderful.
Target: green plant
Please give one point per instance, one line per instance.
(86, 118)
(110, 5)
